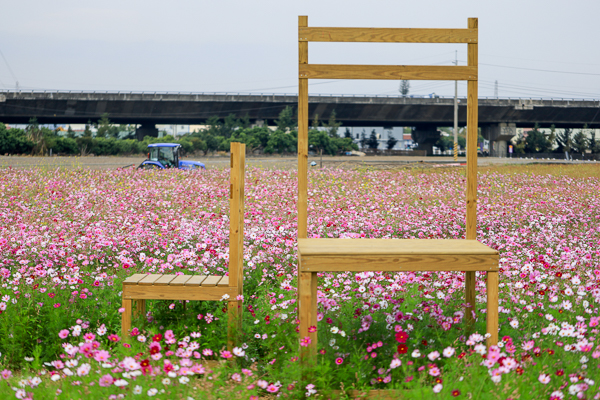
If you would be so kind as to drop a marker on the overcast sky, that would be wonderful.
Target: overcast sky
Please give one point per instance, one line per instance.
(252, 46)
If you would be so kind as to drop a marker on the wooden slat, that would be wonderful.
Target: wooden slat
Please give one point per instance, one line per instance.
(224, 281)
(472, 133)
(134, 279)
(389, 35)
(415, 262)
(177, 292)
(302, 136)
(331, 247)
(165, 280)
(149, 279)
(492, 308)
(196, 280)
(211, 280)
(307, 314)
(470, 293)
(394, 72)
(126, 315)
(180, 280)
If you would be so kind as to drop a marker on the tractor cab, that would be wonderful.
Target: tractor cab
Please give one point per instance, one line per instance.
(166, 155)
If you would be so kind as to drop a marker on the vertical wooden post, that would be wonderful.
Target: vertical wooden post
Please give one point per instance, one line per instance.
(140, 308)
(126, 318)
(492, 307)
(472, 129)
(236, 238)
(307, 313)
(302, 134)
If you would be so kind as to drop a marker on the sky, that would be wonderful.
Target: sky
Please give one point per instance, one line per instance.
(532, 48)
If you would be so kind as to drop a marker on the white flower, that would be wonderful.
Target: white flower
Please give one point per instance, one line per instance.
(67, 372)
(183, 380)
(166, 381)
(238, 352)
(342, 334)
(225, 297)
(433, 355)
(514, 323)
(137, 389)
(437, 388)
(334, 329)
(416, 354)
(141, 338)
(83, 370)
(121, 383)
(448, 352)
(395, 363)
(55, 377)
(152, 392)
(35, 381)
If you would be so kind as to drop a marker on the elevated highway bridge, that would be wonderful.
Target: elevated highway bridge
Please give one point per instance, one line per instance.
(498, 117)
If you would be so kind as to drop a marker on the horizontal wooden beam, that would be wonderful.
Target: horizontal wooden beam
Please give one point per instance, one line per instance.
(399, 263)
(178, 292)
(393, 72)
(387, 35)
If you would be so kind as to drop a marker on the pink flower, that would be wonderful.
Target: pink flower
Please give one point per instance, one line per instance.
(6, 374)
(101, 355)
(106, 380)
(544, 378)
(226, 354)
(305, 341)
(63, 334)
(272, 388)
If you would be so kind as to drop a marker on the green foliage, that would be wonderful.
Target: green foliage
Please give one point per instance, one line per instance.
(286, 119)
(332, 125)
(14, 141)
(564, 141)
(372, 142)
(404, 87)
(580, 141)
(445, 143)
(534, 141)
(391, 142)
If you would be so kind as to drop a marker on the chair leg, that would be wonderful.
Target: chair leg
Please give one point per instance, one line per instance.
(470, 282)
(140, 308)
(492, 307)
(307, 288)
(126, 318)
(233, 323)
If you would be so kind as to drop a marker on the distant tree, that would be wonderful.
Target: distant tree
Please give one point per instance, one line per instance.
(332, 125)
(70, 133)
(315, 122)
(363, 139)
(445, 143)
(286, 119)
(87, 132)
(347, 133)
(391, 142)
(537, 142)
(580, 141)
(564, 141)
(103, 126)
(404, 88)
(373, 143)
(35, 134)
(230, 124)
(595, 143)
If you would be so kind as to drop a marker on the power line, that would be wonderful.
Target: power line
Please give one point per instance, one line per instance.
(539, 70)
(9, 68)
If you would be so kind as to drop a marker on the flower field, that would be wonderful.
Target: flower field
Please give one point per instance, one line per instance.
(68, 238)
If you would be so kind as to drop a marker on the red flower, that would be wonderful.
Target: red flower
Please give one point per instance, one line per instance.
(456, 393)
(312, 329)
(401, 337)
(424, 342)
(157, 338)
(402, 348)
(560, 372)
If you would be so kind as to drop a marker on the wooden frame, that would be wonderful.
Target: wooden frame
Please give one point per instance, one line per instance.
(142, 287)
(317, 255)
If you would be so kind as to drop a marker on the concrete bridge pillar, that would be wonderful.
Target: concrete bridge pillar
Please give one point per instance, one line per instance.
(146, 130)
(426, 136)
(499, 135)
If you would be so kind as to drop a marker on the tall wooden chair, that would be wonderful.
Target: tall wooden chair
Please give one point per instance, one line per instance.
(319, 255)
(142, 287)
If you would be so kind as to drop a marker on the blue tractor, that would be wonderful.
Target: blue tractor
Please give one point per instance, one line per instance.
(166, 155)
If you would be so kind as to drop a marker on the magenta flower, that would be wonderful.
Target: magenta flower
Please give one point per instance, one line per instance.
(106, 380)
(63, 334)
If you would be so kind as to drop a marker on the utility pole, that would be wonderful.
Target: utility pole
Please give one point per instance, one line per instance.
(456, 112)
(496, 89)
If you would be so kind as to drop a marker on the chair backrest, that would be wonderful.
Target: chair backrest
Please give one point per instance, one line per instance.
(236, 215)
(308, 71)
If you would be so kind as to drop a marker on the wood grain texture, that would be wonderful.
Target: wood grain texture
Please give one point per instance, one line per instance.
(236, 211)
(140, 308)
(178, 292)
(387, 35)
(307, 313)
(415, 262)
(212, 280)
(224, 282)
(330, 247)
(125, 316)
(393, 72)
(302, 204)
(134, 279)
(492, 308)
(470, 292)
(165, 280)
(149, 279)
(472, 133)
(196, 280)
(180, 280)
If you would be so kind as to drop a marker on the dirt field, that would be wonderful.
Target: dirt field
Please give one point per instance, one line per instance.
(286, 162)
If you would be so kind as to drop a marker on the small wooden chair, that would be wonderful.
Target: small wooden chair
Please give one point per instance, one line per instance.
(142, 287)
(320, 255)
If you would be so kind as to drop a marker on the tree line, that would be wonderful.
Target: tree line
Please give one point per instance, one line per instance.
(108, 139)
(566, 140)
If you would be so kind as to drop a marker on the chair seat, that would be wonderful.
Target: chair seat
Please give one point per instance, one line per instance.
(316, 255)
(177, 287)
